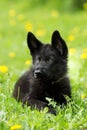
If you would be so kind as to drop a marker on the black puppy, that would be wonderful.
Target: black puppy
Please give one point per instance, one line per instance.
(48, 75)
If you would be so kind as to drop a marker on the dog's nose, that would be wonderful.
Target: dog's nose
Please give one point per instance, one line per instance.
(37, 73)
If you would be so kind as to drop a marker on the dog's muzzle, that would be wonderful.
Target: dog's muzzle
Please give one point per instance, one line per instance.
(37, 73)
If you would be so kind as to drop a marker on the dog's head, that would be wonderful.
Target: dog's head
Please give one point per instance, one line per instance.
(49, 60)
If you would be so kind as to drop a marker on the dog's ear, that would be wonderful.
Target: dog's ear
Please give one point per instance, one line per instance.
(33, 43)
(59, 44)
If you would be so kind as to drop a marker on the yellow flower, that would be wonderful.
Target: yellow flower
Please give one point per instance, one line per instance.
(12, 12)
(11, 54)
(71, 38)
(85, 6)
(40, 32)
(54, 14)
(83, 55)
(20, 17)
(3, 69)
(83, 96)
(29, 27)
(28, 62)
(16, 127)
(72, 51)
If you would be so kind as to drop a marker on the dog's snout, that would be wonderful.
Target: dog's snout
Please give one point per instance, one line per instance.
(37, 73)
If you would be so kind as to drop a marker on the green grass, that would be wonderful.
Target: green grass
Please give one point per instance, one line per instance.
(43, 21)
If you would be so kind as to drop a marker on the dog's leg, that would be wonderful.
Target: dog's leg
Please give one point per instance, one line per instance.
(39, 105)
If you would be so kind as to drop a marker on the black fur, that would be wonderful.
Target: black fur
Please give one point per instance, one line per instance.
(48, 75)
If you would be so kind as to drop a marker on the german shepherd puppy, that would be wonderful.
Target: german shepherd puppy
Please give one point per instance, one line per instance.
(47, 76)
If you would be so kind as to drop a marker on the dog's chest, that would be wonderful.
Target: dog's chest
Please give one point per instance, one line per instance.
(51, 91)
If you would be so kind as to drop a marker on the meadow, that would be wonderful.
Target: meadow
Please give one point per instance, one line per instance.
(16, 19)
